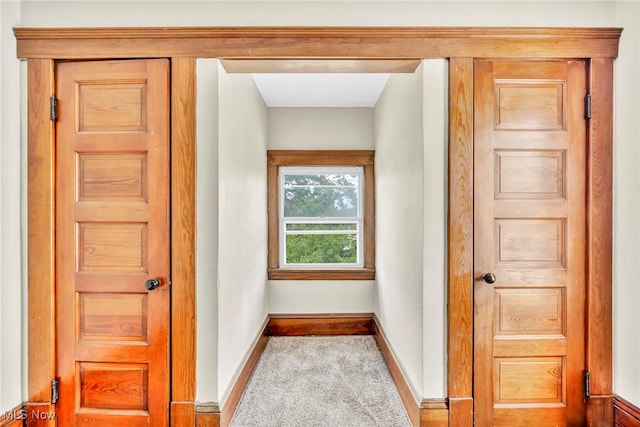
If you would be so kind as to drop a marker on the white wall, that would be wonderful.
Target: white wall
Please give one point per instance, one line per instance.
(11, 361)
(434, 240)
(321, 129)
(242, 223)
(399, 220)
(207, 231)
(310, 128)
(419, 13)
(91, 13)
(626, 192)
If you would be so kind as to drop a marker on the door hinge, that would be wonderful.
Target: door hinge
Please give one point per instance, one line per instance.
(587, 106)
(53, 101)
(54, 391)
(587, 384)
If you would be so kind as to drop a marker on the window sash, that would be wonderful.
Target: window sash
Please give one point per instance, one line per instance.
(356, 220)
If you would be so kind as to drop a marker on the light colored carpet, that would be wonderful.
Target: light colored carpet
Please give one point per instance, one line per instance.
(321, 381)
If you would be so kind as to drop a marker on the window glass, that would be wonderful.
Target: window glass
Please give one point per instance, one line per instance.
(320, 216)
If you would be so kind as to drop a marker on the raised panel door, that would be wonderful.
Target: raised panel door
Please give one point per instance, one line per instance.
(529, 232)
(112, 214)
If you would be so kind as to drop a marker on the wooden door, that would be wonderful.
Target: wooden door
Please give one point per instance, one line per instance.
(112, 220)
(529, 232)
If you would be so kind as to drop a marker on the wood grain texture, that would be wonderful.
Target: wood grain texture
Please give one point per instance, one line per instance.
(240, 384)
(460, 236)
(273, 232)
(183, 414)
(369, 220)
(434, 413)
(41, 232)
(458, 43)
(13, 417)
(625, 414)
(599, 229)
(320, 324)
(41, 415)
(207, 419)
(183, 228)
(529, 333)
(320, 65)
(600, 411)
(409, 402)
(316, 42)
(112, 345)
(291, 274)
(461, 412)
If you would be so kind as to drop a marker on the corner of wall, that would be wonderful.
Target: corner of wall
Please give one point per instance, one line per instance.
(207, 231)
(12, 220)
(399, 144)
(435, 119)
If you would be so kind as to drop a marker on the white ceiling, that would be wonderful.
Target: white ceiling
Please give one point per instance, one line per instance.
(320, 89)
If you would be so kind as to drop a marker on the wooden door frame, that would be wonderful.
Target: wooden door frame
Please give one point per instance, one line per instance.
(281, 48)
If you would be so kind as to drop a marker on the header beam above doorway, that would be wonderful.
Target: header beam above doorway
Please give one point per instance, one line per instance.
(320, 65)
(317, 42)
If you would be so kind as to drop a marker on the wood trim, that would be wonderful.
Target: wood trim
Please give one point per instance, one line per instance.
(369, 221)
(409, 402)
(599, 242)
(14, 417)
(434, 413)
(273, 220)
(334, 274)
(461, 411)
(207, 415)
(430, 412)
(182, 414)
(233, 399)
(460, 44)
(320, 324)
(40, 415)
(41, 231)
(316, 42)
(460, 243)
(599, 411)
(183, 229)
(320, 65)
(277, 158)
(625, 414)
(320, 157)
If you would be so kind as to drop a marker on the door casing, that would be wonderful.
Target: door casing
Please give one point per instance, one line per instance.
(43, 46)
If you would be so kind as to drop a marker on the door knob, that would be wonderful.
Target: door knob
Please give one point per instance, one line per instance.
(488, 278)
(152, 284)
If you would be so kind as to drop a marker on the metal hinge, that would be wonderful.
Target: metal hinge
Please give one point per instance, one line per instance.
(54, 391)
(54, 109)
(587, 106)
(587, 384)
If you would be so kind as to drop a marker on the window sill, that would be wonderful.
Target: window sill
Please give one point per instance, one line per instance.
(346, 274)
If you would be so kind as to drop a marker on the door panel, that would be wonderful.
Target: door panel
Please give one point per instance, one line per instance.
(112, 209)
(529, 231)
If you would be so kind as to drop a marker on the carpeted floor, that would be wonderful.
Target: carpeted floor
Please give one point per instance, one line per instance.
(321, 381)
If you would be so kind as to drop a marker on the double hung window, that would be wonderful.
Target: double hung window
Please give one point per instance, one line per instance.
(321, 214)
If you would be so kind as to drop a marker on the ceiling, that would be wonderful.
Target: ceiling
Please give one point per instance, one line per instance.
(320, 89)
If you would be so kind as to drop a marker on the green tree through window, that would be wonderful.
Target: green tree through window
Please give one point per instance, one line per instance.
(321, 215)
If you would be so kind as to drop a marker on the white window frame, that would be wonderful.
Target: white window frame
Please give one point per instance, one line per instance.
(358, 220)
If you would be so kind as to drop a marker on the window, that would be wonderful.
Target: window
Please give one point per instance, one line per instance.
(321, 214)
